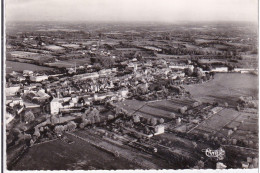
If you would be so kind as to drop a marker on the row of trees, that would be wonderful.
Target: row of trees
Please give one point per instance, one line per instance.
(106, 62)
(91, 116)
(28, 117)
(182, 51)
(59, 129)
(150, 121)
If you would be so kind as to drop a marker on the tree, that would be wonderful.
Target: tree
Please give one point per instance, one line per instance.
(23, 128)
(110, 117)
(136, 119)
(208, 76)
(107, 62)
(141, 89)
(238, 108)
(36, 133)
(86, 122)
(234, 141)
(178, 78)
(9, 56)
(153, 121)
(173, 115)
(118, 110)
(215, 104)
(230, 132)
(66, 128)
(82, 125)
(209, 67)
(183, 109)
(94, 112)
(31, 142)
(41, 129)
(58, 129)
(124, 112)
(28, 117)
(198, 74)
(25, 137)
(97, 118)
(188, 71)
(200, 164)
(195, 104)
(54, 119)
(93, 60)
(161, 121)
(212, 74)
(92, 120)
(230, 67)
(97, 66)
(226, 104)
(71, 125)
(204, 78)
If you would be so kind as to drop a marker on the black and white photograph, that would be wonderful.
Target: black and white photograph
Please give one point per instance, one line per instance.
(130, 85)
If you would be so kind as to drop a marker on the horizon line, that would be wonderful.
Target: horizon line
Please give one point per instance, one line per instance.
(132, 21)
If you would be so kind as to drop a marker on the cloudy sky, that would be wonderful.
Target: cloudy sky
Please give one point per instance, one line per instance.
(131, 10)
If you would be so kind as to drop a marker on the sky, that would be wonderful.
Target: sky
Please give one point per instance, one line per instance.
(131, 10)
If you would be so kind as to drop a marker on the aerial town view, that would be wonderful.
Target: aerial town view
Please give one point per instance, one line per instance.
(131, 95)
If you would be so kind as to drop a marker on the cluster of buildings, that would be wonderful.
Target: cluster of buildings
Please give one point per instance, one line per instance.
(53, 93)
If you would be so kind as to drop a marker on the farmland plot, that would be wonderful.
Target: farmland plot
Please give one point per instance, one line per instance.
(131, 105)
(245, 125)
(217, 122)
(19, 66)
(154, 112)
(226, 87)
(158, 109)
(58, 155)
(61, 64)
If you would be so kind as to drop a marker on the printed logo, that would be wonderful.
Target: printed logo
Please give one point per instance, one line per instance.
(219, 154)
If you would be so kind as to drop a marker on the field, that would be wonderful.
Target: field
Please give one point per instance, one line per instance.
(226, 87)
(131, 105)
(70, 63)
(56, 29)
(58, 155)
(133, 156)
(61, 64)
(26, 55)
(245, 125)
(158, 109)
(210, 61)
(217, 122)
(249, 61)
(184, 57)
(18, 66)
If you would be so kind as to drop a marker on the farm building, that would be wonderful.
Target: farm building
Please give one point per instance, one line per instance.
(87, 76)
(244, 70)
(123, 93)
(8, 117)
(38, 78)
(220, 69)
(11, 91)
(55, 106)
(181, 67)
(103, 96)
(216, 110)
(159, 129)
(27, 72)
